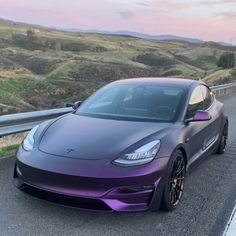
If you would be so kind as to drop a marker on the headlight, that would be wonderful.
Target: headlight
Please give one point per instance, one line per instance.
(28, 143)
(140, 156)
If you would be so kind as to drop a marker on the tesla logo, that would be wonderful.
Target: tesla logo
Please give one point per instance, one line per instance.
(69, 150)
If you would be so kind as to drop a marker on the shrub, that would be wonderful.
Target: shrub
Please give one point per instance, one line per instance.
(152, 59)
(226, 60)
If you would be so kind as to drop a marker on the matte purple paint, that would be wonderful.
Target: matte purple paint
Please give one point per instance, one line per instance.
(201, 116)
(106, 185)
(88, 172)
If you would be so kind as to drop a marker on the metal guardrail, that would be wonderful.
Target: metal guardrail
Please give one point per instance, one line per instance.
(224, 89)
(21, 122)
(217, 87)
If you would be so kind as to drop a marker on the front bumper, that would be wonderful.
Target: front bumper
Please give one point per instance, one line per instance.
(88, 185)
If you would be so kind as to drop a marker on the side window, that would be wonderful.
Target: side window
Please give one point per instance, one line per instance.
(195, 102)
(207, 97)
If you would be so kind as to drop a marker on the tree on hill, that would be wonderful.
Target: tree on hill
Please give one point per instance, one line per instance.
(30, 33)
(226, 61)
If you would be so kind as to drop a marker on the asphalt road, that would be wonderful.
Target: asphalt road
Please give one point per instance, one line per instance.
(209, 197)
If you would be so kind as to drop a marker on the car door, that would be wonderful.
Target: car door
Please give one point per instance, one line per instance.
(215, 122)
(196, 132)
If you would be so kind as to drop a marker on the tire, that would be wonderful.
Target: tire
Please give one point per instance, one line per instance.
(223, 140)
(174, 185)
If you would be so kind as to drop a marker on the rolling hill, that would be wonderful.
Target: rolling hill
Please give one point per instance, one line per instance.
(44, 68)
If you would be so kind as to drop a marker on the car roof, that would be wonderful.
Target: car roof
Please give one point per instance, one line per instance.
(160, 80)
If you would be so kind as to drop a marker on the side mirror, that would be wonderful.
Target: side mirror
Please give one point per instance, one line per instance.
(199, 116)
(76, 105)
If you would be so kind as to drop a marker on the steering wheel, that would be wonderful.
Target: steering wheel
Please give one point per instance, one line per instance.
(163, 112)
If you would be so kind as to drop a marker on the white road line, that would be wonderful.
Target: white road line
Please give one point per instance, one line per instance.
(230, 229)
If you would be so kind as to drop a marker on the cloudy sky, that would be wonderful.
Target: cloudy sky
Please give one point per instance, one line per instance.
(204, 19)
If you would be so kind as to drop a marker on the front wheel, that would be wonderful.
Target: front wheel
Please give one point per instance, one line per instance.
(174, 185)
(223, 140)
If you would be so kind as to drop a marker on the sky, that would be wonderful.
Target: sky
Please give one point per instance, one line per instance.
(211, 20)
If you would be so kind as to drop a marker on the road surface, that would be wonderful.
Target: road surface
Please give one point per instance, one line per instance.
(208, 200)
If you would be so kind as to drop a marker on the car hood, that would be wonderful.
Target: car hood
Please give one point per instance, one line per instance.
(91, 138)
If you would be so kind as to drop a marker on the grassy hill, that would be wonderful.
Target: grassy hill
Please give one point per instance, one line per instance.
(43, 68)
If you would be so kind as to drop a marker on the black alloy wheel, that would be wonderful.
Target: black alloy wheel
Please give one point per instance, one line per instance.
(174, 185)
(177, 180)
(223, 141)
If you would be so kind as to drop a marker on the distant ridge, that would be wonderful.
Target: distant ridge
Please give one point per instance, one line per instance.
(124, 33)
(147, 36)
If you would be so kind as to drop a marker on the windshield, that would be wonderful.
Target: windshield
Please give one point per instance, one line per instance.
(138, 102)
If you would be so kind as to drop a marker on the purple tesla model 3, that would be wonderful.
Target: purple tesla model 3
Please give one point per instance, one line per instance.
(128, 147)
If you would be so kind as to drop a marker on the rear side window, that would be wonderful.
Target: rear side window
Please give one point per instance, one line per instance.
(207, 97)
(195, 103)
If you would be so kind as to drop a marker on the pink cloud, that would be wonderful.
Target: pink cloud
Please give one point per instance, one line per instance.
(231, 15)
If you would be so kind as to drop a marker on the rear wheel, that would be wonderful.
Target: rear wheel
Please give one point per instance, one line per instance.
(174, 185)
(223, 140)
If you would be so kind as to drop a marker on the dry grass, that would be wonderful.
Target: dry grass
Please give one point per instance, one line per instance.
(217, 76)
(12, 139)
(10, 73)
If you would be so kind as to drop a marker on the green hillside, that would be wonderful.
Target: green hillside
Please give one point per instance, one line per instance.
(44, 68)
